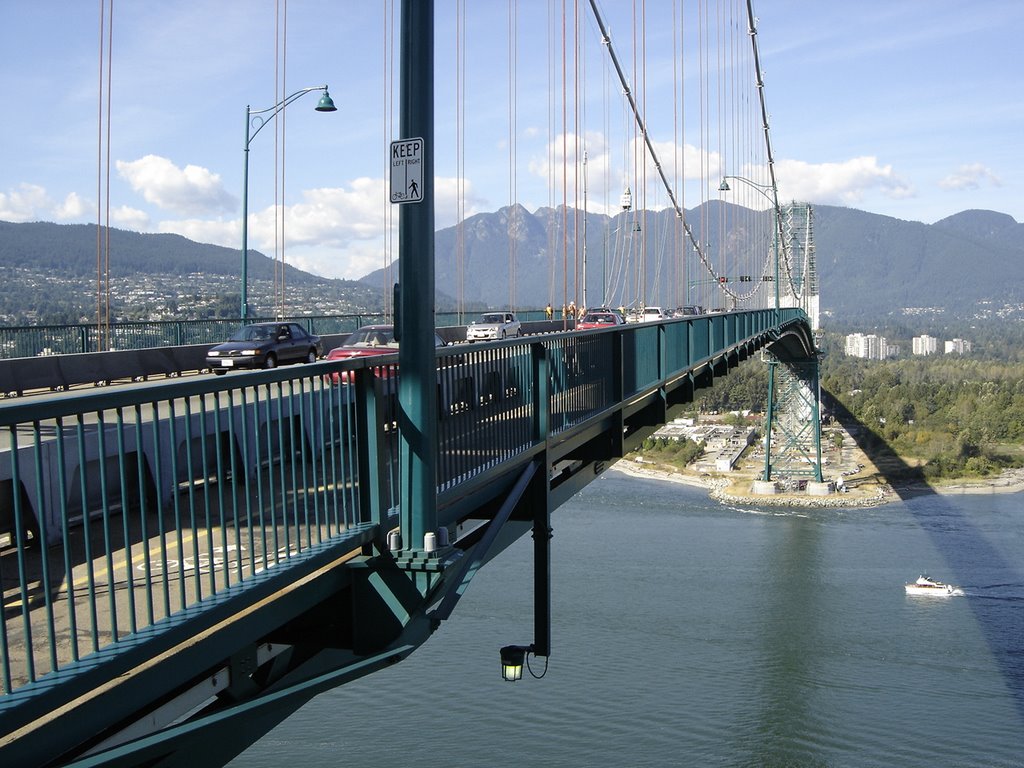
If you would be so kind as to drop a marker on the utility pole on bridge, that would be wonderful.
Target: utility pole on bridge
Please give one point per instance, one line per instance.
(414, 320)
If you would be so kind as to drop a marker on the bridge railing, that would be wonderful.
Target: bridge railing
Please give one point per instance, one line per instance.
(125, 511)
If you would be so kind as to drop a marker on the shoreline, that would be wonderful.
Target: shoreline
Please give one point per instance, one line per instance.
(881, 491)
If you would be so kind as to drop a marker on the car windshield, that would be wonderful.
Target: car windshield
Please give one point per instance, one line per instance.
(492, 319)
(252, 333)
(372, 337)
(608, 319)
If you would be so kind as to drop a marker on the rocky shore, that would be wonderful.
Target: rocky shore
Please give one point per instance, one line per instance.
(735, 488)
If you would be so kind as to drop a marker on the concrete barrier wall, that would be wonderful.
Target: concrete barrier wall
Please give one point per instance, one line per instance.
(56, 372)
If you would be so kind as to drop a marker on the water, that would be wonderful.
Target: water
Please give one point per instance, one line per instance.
(690, 633)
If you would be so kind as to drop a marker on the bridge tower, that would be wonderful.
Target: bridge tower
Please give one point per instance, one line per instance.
(793, 415)
(799, 267)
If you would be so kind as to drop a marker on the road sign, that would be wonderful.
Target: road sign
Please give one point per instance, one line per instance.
(407, 171)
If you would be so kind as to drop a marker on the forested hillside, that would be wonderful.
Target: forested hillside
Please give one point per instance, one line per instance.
(956, 416)
(962, 417)
(50, 277)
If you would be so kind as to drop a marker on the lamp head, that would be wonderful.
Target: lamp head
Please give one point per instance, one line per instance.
(326, 103)
(512, 659)
(724, 186)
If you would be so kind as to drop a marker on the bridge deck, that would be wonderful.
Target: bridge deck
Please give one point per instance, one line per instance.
(167, 510)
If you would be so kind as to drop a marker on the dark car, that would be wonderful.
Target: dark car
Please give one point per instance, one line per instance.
(369, 340)
(264, 345)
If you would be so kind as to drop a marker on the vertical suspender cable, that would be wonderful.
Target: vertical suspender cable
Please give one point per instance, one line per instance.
(607, 118)
(460, 154)
(565, 171)
(551, 66)
(581, 33)
(512, 191)
(575, 152)
(685, 282)
(99, 186)
(281, 306)
(279, 94)
(643, 169)
(388, 50)
(637, 250)
(106, 254)
(674, 274)
(106, 43)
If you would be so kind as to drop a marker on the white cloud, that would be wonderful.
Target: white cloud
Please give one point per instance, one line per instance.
(326, 216)
(844, 183)
(352, 263)
(970, 177)
(560, 155)
(73, 207)
(191, 190)
(23, 203)
(446, 205)
(225, 233)
(331, 231)
(602, 164)
(130, 218)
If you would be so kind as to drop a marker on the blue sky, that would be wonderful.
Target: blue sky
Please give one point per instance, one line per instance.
(911, 109)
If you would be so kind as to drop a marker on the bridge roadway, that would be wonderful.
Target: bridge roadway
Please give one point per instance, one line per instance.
(217, 549)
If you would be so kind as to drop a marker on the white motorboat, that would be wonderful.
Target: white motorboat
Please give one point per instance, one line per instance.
(925, 585)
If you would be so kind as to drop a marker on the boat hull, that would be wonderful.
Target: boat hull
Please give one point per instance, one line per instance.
(944, 591)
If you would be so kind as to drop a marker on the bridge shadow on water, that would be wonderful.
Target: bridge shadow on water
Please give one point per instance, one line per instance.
(967, 550)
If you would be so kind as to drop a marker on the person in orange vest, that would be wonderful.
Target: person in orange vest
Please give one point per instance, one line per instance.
(548, 312)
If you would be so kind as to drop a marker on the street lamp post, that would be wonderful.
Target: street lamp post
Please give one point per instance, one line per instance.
(773, 198)
(255, 117)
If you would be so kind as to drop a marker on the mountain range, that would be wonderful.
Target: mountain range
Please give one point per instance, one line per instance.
(870, 266)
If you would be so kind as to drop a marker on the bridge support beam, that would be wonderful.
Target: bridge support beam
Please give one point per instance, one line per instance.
(792, 447)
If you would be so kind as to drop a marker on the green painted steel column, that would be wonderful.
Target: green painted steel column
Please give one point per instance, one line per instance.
(769, 417)
(417, 399)
(816, 415)
(244, 309)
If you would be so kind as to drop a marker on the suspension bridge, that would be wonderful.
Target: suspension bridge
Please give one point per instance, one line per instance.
(185, 563)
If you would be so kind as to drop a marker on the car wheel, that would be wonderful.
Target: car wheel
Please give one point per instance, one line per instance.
(219, 371)
(311, 356)
(271, 361)
(503, 334)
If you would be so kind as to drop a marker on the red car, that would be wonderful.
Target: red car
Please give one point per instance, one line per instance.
(368, 341)
(599, 320)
